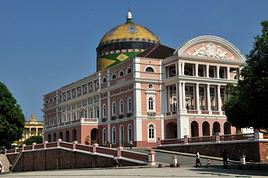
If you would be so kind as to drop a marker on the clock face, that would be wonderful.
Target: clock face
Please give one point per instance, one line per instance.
(132, 29)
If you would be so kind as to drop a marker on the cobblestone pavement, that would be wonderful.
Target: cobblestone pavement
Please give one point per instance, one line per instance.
(139, 172)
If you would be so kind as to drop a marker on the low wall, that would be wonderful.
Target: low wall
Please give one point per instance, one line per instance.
(50, 159)
(255, 151)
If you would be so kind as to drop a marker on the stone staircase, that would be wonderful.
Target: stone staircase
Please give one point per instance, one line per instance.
(5, 162)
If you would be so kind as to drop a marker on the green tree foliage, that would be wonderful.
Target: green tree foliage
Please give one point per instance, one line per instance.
(33, 139)
(11, 118)
(248, 103)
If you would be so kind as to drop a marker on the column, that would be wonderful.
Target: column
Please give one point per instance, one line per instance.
(183, 97)
(219, 98)
(218, 72)
(179, 85)
(177, 99)
(168, 99)
(182, 68)
(207, 71)
(197, 98)
(196, 70)
(228, 73)
(208, 98)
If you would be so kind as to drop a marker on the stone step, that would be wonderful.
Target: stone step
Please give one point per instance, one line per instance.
(5, 163)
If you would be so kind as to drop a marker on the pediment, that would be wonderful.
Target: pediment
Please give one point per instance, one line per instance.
(210, 47)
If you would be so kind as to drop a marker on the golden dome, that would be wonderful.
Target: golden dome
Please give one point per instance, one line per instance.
(129, 31)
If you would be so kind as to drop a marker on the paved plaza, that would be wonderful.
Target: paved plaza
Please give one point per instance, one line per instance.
(134, 172)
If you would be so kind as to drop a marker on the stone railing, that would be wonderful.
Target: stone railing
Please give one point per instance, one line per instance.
(214, 138)
(92, 149)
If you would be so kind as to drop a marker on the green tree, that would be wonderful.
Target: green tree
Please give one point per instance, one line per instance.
(11, 118)
(34, 139)
(248, 103)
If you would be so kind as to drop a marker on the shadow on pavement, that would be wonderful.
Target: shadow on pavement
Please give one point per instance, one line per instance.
(217, 170)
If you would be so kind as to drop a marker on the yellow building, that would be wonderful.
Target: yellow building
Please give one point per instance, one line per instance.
(33, 127)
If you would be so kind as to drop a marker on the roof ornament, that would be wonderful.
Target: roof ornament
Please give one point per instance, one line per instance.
(129, 16)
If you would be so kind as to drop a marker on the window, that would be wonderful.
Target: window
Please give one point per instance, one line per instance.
(149, 69)
(91, 113)
(150, 104)
(129, 108)
(84, 89)
(114, 108)
(104, 111)
(121, 135)
(151, 131)
(129, 134)
(113, 76)
(104, 80)
(121, 106)
(104, 136)
(129, 70)
(121, 73)
(113, 135)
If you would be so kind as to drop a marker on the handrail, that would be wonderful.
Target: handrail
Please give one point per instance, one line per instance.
(16, 160)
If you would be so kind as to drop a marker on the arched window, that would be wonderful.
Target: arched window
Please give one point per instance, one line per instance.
(149, 69)
(151, 132)
(104, 80)
(206, 129)
(216, 128)
(104, 136)
(114, 108)
(49, 137)
(74, 134)
(129, 105)
(114, 76)
(122, 135)
(194, 129)
(121, 73)
(129, 70)
(129, 134)
(113, 135)
(61, 135)
(67, 136)
(227, 128)
(121, 106)
(150, 104)
(104, 111)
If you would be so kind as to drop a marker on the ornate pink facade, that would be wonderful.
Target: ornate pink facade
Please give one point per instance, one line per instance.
(149, 98)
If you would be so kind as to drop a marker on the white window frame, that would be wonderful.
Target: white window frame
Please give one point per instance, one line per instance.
(149, 109)
(121, 106)
(104, 136)
(151, 138)
(104, 110)
(113, 135)
(121, 135)
(129, 133)
(129, 103)
(113, 108)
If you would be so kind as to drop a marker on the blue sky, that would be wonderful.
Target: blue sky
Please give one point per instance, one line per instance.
(47, 44)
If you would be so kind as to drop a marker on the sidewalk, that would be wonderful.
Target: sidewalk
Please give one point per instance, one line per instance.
(134, 172)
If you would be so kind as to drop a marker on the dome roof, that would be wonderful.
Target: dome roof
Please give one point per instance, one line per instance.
(129, 31)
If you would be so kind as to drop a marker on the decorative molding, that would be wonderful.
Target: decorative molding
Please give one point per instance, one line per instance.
(210, 39)
(210, 50)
